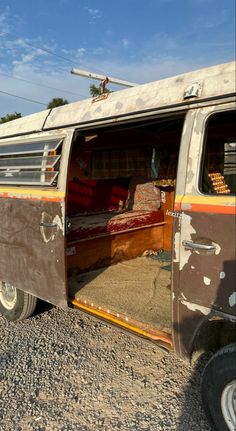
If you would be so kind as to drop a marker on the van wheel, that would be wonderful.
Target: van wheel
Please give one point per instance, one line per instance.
(14, 303)
(219, 389)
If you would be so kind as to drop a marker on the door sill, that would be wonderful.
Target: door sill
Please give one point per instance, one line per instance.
(159, 337)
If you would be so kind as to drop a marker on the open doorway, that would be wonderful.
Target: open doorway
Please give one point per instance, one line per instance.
(121, 188)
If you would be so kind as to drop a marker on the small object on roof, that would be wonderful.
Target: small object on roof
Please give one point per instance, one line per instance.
(193, 90)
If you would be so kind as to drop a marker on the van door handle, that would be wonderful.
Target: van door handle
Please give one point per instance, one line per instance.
(44, 224)
(190, 245)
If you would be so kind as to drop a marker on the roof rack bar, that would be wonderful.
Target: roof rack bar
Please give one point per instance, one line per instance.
(102, 78)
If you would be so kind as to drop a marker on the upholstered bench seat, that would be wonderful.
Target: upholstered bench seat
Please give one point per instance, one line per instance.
(102, 224)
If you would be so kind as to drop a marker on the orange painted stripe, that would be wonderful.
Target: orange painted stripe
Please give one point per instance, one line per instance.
(48, 195)
(31, 197)
(177, 206)
(118, 321)
(206, 208)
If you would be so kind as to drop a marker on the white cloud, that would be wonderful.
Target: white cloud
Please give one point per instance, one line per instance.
(94, 14)
(81, 51)
(125, 43)
(4, 25)
(206, 22)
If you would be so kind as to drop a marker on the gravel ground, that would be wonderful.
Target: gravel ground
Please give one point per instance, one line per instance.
(66, 371)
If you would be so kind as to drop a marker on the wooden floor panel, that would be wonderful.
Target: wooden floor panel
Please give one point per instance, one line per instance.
(139, 289)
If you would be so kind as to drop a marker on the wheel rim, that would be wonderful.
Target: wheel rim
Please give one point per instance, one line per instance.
(8, 295)
(228, 405)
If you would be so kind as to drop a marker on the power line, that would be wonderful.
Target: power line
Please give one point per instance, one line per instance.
(48, 51)
(23, 98)
(40, 85)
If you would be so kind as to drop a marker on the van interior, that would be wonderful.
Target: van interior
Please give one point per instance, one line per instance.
(121, 187)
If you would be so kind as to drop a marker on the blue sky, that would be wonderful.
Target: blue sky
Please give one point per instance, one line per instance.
(135, 40)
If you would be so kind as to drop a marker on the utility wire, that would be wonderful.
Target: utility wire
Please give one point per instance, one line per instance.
(23, 98)
(40, 85)
(48, 51)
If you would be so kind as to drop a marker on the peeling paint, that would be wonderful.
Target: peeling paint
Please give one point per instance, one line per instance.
(218, 248)
(187, 231)
(186, 206)
(207, 281)
(57, 220)
(190, 173)
(232, 299)
(177, 246)
(63, 218)
(196, 307)
(49, 233)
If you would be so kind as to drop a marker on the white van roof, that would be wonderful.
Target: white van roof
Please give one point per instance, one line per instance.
(166, 94)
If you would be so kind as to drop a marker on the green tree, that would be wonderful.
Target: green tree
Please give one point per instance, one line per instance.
(10, 117)
(94, 90)
(57, 101)
(97, 91)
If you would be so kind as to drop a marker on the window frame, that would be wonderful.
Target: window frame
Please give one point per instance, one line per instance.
(66, 135)
(37, 176)
(199, 178)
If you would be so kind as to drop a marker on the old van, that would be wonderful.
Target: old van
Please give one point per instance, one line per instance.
(124, 207)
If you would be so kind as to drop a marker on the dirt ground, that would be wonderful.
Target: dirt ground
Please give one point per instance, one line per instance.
(66, 371)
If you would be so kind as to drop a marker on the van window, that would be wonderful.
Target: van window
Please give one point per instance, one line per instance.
(219, 156)
(32, 163)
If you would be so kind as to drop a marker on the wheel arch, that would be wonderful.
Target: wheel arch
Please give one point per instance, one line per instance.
(212, 335)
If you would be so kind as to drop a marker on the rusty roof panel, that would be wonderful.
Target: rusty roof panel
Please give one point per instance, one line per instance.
(211, 82)
(31, 123)
(214, 82)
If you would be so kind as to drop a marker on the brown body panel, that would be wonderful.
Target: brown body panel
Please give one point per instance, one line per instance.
(203, 281)
(32, 258)
(208, 278)
(205, 285)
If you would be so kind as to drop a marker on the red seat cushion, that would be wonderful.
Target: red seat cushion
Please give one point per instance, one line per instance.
(95, 225)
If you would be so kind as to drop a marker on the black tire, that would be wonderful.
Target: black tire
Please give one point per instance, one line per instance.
(218, 374)
(22, 307)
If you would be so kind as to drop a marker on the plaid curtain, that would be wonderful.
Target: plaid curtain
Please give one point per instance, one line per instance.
(126, 162)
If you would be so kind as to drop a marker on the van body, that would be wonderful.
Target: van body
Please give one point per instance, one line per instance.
(124, 207)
